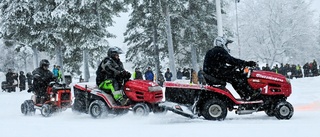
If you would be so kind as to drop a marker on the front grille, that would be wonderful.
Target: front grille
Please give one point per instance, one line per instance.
(158, 95)
(65, 96)
(139, 95)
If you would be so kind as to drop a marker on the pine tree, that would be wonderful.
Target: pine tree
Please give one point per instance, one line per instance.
(193, 28)
(62, 28)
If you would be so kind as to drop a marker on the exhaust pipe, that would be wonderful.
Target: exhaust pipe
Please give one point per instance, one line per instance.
(244, 112)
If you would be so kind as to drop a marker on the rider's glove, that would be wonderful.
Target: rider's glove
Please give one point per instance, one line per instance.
(250, 63)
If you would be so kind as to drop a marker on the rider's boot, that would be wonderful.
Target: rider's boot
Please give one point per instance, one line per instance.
(123, 101)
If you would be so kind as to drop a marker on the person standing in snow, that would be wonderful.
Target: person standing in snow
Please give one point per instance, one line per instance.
(111, 75)
(22, 81)
(148, 75)
(29, 79)
(10, 78)
(200, 76)
(137, 74)
(168, 75)
(55, 71)
(179, 74)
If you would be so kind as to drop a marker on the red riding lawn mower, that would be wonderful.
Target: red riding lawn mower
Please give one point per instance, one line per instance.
(213, 102)
(58, 99)
(144, 97)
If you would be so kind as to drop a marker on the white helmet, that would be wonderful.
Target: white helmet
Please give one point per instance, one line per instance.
(222, 42)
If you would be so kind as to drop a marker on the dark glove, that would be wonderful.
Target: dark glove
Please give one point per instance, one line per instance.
(250, 63)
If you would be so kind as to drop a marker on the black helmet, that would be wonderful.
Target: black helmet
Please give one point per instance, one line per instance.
(21, 72)
(113, 51)
(44, 62)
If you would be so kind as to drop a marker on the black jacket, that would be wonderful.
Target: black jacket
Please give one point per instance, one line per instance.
(42, 77)
(22, 79)
(108, 69)
(216, 60)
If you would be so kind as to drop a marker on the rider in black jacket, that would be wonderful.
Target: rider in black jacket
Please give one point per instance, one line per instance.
(42, 76)
(220, 67)
(111, 75)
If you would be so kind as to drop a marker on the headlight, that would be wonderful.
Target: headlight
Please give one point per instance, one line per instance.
(155, 88)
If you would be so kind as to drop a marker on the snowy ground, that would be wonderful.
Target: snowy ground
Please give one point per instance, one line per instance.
(304, 123)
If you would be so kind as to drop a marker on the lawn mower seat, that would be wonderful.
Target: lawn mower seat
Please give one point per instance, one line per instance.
(212, 81)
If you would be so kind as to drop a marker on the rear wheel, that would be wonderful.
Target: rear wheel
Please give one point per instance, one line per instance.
(46, 110)
(284, 110)
(214, 109)
(27, 107)
(98, 109)
(141, 109)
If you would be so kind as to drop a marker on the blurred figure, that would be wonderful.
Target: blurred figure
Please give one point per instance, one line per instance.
(200, 76)
(29, 80)
(179, 74)
(22, 81)
(148, 75)
(137, 74)
(194, 77)
(168, 75)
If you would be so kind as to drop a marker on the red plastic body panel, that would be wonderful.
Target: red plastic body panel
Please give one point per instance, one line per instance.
(135, 90)
(271, 84)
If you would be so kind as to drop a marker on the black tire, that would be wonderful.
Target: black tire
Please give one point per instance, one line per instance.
(46, 110)
(24, 109)
(98, 109)
(141, 109)
(269, 112)
(27, 107)
(78, 106)
(214, 109)
(284, 110)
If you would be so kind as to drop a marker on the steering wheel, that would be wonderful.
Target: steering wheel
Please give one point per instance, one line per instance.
(241, 69)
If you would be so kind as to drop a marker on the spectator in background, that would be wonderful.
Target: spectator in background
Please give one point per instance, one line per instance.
(314, 68)
(179, 74)
(29, 80)
(299, 72)
(200, 76)
(275, 69)
(160, 79)
(186, 73)
(266, 68)
(194, 77)
(256, 67)
(305, 70)
(168, 75)
(281, 69)
(22, 80)
(59, 77)
(137, 74)
(148, 75)
(55, 71)
(10, 77)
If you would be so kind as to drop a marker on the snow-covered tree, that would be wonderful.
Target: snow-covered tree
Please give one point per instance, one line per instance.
(62, 28)
(144, 35)
(277, 31)
(193, 28)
